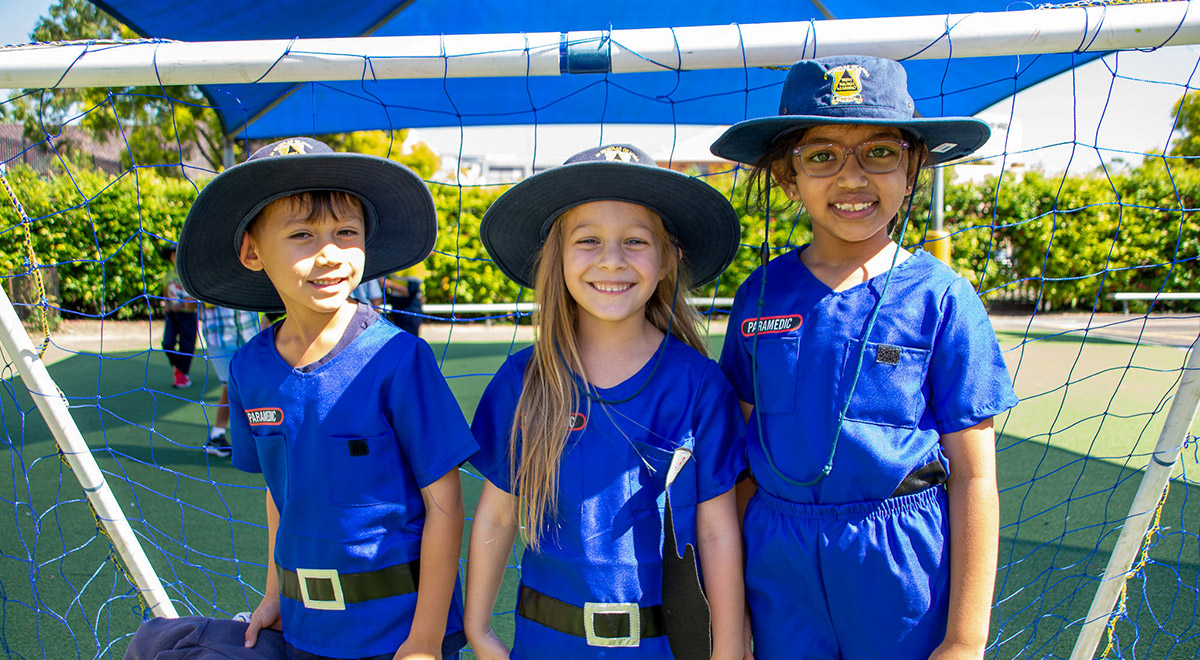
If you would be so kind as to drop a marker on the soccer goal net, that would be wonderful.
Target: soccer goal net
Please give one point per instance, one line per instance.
(1076, 224)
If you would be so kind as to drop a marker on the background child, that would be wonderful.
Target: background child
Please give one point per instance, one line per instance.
(225, 330)
(872, 376)
(179, 325)
(616, 382)
(370, 292)
(349, 420)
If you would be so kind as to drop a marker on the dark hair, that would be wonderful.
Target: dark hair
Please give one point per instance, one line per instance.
(314, 204)
(776, 163)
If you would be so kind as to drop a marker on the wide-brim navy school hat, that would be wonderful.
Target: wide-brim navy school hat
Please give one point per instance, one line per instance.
(400, 218)
(850, 89)
(696, 214)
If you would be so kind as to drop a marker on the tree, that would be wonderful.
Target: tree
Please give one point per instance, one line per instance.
(1187, 123)
(387, 144)
(159, 124)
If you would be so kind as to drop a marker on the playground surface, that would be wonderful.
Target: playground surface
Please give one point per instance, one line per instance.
(1179, 330)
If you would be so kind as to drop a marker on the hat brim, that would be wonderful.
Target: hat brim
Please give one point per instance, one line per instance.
(401, 221)
(748, 141)
(698, 215)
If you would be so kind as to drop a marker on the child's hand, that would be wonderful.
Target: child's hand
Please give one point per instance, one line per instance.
(948, 650)
(266, 615)
(413, 649)
(488, 646)
(748, 639)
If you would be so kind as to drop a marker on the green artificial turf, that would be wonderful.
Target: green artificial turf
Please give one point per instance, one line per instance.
(1068, 461)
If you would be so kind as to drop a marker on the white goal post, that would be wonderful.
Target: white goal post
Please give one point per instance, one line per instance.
(159, 62)
(19, 349)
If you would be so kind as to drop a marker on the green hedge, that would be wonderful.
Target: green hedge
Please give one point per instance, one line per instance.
(1063, 241)
(102, 233)
(459, 269)
(1073, 240)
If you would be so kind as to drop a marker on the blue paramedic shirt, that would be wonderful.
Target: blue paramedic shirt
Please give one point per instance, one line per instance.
(605, 545)
(345, 446)
(931, 366)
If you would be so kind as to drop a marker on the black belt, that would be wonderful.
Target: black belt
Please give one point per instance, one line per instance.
(326, 589)
(927, 476)
(602, 624)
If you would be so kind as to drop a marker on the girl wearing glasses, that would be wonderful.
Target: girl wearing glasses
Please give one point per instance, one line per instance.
(869, 375)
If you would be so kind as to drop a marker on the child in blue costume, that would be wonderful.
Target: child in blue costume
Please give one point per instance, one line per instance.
(348, 418)
(870, 376)
(578, 433)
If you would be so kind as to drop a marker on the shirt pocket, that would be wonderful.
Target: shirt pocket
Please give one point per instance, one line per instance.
(647, 483)
(365, 470)
(890, 388)
(272, 460)
(774, 373)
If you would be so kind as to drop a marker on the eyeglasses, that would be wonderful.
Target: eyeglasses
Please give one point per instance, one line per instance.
(875, 156)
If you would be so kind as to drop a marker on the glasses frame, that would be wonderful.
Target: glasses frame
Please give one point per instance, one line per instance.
(905, 145)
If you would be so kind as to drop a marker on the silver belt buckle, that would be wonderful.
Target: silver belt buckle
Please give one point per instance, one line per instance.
(306, 574)
(590, 610)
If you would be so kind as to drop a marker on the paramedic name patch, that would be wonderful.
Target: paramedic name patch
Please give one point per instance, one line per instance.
(265, 416)
(771, 324)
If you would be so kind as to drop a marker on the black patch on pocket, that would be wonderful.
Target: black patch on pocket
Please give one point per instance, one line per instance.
(887, 354)
(358, 447)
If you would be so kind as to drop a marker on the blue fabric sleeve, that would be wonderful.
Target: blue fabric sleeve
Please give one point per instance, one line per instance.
(492, 424)
(720, 435)
(968, 379)
(735, 361)
(427, 420)
(245, 451)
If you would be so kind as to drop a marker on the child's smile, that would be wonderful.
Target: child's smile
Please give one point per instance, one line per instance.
(613, 288)
(853, 207)
(328, 283)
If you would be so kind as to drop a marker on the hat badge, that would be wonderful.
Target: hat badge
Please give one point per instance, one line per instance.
(847, 83)
(291, 148)
(618, 153)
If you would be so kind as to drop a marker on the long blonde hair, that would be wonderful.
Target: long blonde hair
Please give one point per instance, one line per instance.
(550, 395)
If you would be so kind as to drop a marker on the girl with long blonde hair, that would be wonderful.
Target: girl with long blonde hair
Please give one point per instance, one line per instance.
(613, 441)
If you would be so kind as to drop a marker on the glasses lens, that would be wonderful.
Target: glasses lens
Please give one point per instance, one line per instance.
(821, 159)
(880, 157)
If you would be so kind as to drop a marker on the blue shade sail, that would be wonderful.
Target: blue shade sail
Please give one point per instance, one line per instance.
(940, 87)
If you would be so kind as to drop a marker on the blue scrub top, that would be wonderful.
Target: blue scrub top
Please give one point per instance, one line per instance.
(930, 366)
(345, 448)
(605, 544)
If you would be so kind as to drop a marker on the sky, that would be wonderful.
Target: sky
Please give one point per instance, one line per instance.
(19, 18)
(1123, 103)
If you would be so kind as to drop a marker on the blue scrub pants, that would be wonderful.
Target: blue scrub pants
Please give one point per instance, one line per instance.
(859, 581)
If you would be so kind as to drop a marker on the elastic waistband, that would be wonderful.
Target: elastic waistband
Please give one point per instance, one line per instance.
(853, 510)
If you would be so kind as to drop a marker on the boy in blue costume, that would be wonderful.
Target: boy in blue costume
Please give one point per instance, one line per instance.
(582, 435)
(870, 377)
(347, 417)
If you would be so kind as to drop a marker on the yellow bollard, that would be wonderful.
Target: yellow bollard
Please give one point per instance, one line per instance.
(937, 243)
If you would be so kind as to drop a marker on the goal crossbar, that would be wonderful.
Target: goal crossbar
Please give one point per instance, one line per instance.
(159, 62)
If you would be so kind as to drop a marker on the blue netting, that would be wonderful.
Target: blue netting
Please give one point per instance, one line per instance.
(1045, 250)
